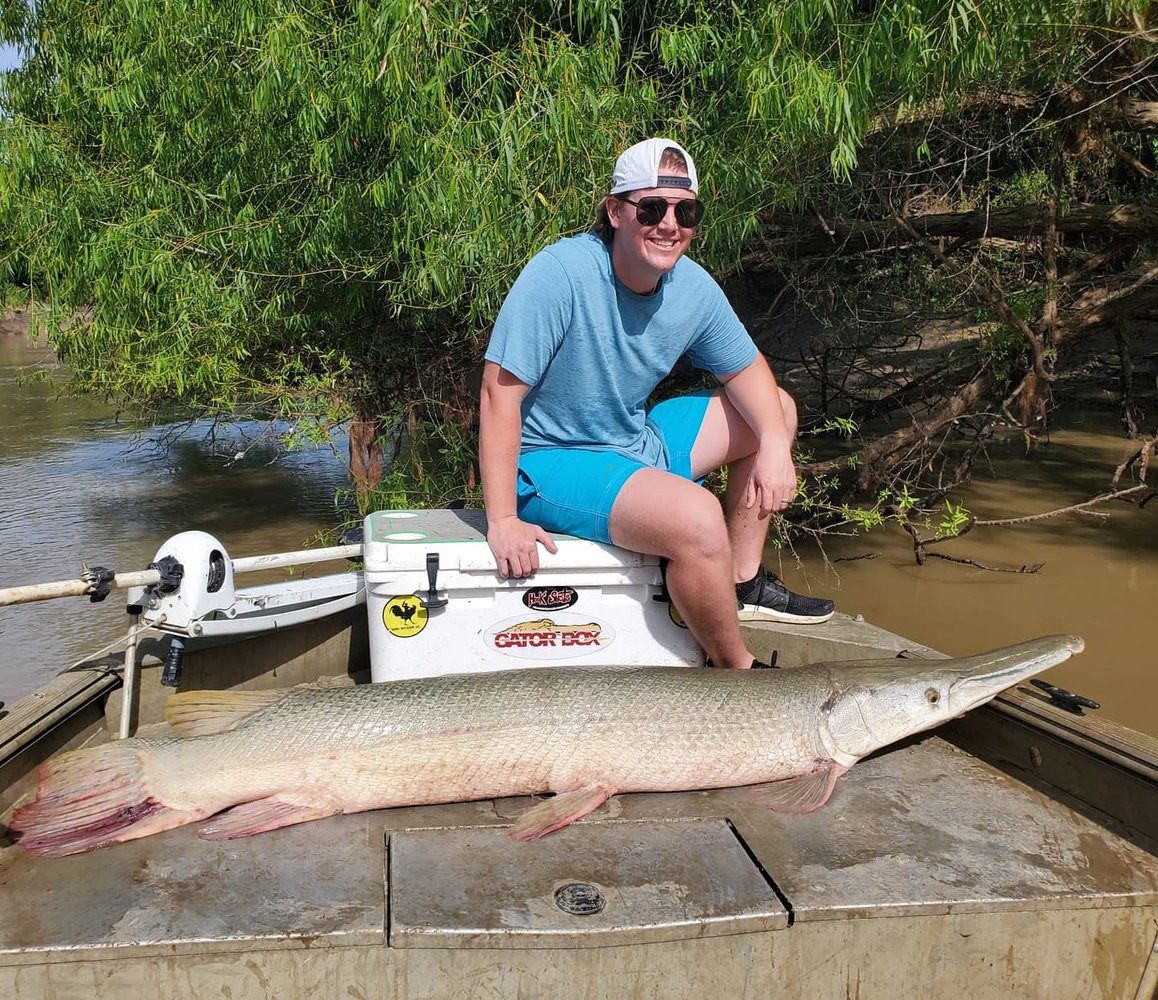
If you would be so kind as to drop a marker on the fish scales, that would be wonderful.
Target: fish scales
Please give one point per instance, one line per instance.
(509, 733)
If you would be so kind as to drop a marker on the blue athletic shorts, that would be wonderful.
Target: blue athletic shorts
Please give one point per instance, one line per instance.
(572, 490)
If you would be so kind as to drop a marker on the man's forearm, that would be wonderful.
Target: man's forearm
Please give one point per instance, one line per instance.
(498, 462)
(754, 393)
(500, 431)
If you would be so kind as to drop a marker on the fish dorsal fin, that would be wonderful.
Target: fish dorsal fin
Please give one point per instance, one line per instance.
(802, 794)
(201, 713)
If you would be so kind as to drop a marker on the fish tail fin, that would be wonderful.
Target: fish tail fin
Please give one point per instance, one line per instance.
(92, 798)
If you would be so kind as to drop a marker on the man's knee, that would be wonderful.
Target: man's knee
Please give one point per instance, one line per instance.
(663, 514)
(788, 405)
(701, 529)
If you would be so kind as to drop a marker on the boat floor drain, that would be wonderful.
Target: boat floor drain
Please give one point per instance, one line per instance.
(579, 898)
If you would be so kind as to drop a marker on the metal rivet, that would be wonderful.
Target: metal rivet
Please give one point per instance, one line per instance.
(579, 898)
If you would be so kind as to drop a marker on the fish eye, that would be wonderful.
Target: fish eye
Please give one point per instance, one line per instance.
(932, 696)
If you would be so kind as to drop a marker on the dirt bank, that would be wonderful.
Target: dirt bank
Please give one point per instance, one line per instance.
(14, 321)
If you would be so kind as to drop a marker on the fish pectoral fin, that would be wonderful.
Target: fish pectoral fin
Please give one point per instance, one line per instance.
(559, 811)
(803, 794)
(259, 816)
(200, 713)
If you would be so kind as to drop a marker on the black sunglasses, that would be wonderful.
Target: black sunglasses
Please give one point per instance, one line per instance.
(650, 211)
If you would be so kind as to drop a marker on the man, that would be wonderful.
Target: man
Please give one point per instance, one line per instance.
(567, 442)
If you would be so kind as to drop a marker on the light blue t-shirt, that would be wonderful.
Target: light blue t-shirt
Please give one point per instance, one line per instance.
(593, 351)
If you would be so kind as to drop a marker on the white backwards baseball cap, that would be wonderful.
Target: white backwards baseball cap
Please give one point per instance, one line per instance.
(638, 167)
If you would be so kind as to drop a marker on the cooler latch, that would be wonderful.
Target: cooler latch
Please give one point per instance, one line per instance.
(432, 600)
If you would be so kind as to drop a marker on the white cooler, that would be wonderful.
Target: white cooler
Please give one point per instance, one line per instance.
(438, 606)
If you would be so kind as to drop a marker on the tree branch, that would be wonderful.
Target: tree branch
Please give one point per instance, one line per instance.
(802, 237)
(881, 450)
(1072, 508)
(1033, 568)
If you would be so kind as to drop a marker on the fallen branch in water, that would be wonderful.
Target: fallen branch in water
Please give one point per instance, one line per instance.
(1072, 508)
(921, 553)
(980, 565)
(1142, 456)
(920, 544)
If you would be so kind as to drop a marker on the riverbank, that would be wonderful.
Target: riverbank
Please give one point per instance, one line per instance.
(15, 322)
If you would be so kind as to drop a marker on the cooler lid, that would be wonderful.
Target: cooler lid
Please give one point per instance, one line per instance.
(400, 540)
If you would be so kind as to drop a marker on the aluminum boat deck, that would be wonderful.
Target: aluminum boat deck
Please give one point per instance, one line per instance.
(930, 871)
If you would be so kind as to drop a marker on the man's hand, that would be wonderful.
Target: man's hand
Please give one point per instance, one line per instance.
(515, 544)
(772, 484)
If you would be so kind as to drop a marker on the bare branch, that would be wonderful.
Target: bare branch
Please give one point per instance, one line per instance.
(1142, 456)
(985, 566)
(1072, 508)
(1126, 156)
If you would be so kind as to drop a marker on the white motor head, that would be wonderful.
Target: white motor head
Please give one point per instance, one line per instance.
(205, 583)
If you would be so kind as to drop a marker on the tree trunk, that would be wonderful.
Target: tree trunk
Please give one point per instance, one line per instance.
(366, 464)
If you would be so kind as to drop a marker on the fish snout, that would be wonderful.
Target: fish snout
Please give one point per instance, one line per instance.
(986, 675)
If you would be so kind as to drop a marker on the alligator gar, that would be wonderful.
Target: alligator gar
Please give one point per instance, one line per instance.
(259, 760)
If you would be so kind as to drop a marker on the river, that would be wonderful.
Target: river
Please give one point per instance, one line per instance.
(1098, 575)
(79, 484)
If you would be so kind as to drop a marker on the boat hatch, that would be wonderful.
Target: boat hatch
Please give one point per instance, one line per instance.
(314, 884)
(590, 884)
(924, 828)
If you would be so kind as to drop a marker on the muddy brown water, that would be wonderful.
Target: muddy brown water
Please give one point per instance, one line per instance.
(78, 485)
(1098, 575)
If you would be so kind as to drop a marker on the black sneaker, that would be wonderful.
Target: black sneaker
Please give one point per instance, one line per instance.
(765, 597)
(756, 664)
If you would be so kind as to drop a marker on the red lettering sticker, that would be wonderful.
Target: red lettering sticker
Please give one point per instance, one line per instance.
(554, 637)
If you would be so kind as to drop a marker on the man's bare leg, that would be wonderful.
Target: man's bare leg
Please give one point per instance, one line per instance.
(665, 515)
(726, 439)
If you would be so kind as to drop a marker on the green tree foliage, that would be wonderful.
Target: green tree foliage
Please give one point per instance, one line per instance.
(315, 207)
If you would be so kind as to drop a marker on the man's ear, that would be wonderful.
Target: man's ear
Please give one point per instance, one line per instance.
(613, 206)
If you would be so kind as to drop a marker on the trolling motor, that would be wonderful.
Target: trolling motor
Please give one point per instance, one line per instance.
(188, 591)
(196, 582)
(207, 602)
(197, 596)
(197, 560)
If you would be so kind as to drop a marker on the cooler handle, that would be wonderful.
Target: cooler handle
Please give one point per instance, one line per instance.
(432, 600)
